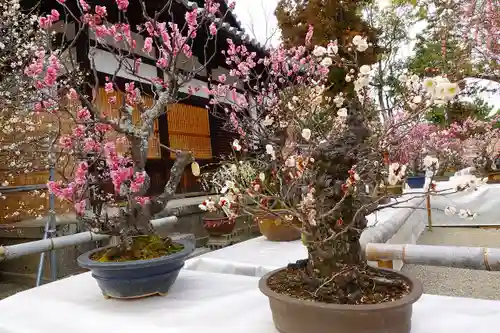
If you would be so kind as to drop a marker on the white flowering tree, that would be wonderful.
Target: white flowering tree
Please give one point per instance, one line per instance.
(25, 136)
(318, 159)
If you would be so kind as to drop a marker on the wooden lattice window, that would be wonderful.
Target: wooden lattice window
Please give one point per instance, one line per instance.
(189, 129)
(113, 112)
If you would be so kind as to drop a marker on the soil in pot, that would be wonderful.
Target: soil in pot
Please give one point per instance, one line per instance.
(275, 229)
(143, 248)
(382, 298)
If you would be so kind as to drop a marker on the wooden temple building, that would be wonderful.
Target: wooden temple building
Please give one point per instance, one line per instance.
(189, 124)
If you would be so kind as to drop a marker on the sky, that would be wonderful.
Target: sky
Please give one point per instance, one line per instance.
(258, 20)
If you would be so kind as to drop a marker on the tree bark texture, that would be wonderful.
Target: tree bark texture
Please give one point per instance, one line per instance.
(335, 239)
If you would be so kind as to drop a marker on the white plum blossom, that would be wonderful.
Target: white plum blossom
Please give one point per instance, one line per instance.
(403, 78)
(361, 82)
(236, 145)
(326, 62)
(360, 43)
(319, 51)
(431, 162)
(467, 182)
(338, 100)
(417, 99)
(332, 48)
(450, 210)
(262, 176)
(365, 69)
(306, 134)
(396, 173)
(342, 112)
(467, 214)
(208, 205)
(268, 121)
(291, 162)
(270, 151)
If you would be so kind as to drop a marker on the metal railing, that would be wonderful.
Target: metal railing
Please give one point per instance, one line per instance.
(50, 229)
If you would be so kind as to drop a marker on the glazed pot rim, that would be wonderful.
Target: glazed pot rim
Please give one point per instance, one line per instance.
(85, 261)
(415, 293)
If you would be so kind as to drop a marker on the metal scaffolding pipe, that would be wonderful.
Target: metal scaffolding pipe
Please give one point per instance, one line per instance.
(49, 244)
(479, 258)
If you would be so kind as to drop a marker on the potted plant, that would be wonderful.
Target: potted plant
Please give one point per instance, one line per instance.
(415, 181)
(105, 125)
(324, 152)
(217, 225)
(393, 184)
(278, 226)
(273, 221)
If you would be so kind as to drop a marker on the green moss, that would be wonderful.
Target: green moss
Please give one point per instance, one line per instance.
(143, 248)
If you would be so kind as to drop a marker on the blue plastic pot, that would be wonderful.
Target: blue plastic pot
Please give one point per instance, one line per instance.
(416, 181)
(138, 278)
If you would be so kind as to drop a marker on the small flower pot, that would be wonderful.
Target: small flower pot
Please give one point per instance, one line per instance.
(395, 190)
(294, 315)
(138, 278)
(276, 228)
(416, 181)
(218, 226)
(494, 178)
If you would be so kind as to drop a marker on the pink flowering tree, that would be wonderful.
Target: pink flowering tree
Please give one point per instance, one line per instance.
(481, 138)
(88, 136)
(482, 19)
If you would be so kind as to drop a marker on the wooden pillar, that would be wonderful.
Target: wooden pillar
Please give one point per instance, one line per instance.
(429, 214)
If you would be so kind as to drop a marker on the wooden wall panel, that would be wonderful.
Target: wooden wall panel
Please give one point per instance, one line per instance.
(189, 129)
(113, 111)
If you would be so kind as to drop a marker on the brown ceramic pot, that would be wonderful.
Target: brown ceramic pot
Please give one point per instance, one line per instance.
(276, 229)
(394, 189)
(292, 315)
(218, 226)
(493, 178)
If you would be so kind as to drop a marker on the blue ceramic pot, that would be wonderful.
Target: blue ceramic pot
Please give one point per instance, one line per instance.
(416, 181)
(138, 278)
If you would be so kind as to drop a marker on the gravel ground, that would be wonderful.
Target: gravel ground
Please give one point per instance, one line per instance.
(10, 288)
(455, 281)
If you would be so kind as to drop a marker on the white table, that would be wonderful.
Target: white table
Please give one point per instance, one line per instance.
(200, 302)
(485, 201)
(258, 256)
(254, 257)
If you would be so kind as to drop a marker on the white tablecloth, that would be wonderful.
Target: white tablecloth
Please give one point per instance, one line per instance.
(254, 257)
(258, 256)
(200, 302)
(485, 201)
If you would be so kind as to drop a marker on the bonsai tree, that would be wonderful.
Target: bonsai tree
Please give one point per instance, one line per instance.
(327, 155)
(481, 138)
(105, 155)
